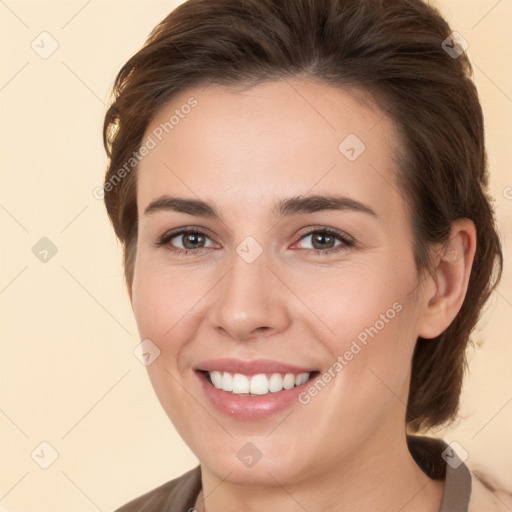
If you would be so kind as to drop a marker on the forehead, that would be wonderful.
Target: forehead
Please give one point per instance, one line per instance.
(277, 138)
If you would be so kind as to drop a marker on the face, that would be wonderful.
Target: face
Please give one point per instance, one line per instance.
(275, 276)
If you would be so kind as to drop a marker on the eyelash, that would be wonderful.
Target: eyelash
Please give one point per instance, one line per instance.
(346, 241)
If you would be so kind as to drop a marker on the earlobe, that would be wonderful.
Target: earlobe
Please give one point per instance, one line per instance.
(450, 280)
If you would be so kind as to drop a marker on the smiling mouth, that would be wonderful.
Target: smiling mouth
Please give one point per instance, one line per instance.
(258, 384)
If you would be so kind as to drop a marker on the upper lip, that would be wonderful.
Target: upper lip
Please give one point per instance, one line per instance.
(251, 367)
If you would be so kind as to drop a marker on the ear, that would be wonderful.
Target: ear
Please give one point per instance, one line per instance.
(129, 287)
(444, 292)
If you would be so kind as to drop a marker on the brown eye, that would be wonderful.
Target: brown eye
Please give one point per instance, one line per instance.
(191, 240)
(325, 241)
(185, 240)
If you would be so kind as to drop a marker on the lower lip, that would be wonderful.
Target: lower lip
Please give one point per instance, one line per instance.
(250, 407)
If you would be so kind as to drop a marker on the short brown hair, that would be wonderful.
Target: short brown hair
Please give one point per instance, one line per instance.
(392, 49)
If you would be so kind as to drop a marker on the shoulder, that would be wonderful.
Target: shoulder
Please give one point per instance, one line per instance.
(467, 488)
(488, 495)
(176, 495)
(440, 461)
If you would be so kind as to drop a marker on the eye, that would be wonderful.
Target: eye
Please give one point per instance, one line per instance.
(326, 241)
(185, 240)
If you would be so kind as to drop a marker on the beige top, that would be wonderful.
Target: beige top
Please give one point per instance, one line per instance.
(179, 495)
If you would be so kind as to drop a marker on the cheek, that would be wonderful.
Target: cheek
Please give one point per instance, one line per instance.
(356, 302)
(164, 300)
(163, 303)
(366, 319)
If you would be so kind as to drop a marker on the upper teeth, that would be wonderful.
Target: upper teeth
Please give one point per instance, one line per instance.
(258, 384)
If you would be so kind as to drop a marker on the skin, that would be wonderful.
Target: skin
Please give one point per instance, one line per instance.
(243, 151)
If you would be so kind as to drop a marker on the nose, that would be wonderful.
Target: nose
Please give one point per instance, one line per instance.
(250, 302)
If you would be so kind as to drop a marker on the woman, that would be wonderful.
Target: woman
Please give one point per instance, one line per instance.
(300, 190)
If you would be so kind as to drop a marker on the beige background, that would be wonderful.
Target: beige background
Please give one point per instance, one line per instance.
(69, 376)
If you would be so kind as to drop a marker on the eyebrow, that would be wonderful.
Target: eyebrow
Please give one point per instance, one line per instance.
(289, 206)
